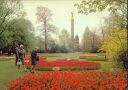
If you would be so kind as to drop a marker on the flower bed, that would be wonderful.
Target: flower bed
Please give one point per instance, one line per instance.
(71, 80)
(64, 65)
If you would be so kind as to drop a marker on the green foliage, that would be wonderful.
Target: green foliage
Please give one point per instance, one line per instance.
(64, 39)
(89, 6)
(14, 30)
(58, 49)
(54, 48)
(20, 32)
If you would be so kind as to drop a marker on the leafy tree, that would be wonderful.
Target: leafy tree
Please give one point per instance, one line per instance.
(20, 32)
(43, 16)
(87, 6)
(64, 39)
(54, 47)
(114, 45)
(76, 44)
(86, 41)
(8, 10)
(40, 43)
(96, 42)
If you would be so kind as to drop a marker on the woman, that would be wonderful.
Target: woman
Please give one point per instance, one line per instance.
(21, 56)
(34, 59)
(16, 52)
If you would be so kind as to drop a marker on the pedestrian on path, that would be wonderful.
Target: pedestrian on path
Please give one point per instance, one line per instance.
(21, 56)
(16, 53)
(34, 59)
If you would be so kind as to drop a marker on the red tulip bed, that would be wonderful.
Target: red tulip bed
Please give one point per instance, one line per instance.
(42, 64)
(71, 80)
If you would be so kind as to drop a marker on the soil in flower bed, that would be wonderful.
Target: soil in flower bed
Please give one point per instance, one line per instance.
(71, 80)
(64, 64)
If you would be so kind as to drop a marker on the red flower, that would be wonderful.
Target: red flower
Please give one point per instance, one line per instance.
(109, 86)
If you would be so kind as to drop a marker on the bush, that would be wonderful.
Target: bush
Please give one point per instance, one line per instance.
(115, 46)
(123, 59)
(58, 49)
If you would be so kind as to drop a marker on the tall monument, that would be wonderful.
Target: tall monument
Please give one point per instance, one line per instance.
(72, 32)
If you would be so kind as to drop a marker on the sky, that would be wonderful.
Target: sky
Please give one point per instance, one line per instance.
(61, 18)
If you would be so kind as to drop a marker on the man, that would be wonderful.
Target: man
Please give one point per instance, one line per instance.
(34, 59)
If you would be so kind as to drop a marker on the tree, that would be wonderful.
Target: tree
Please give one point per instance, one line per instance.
(95, 42)
(64, 39)
(18, 33)
(117, 8)
(114, 45)
(40, 43)
(43, 16)
(8, 10)
(23, 33)
(77, 48)
(86, 41)
(87, 6)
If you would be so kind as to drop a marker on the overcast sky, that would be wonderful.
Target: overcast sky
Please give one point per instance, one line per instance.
(61, 10)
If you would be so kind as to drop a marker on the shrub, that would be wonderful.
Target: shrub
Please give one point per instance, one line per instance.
(115, 46)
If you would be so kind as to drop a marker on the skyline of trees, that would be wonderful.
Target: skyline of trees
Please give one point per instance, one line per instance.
(13, 17)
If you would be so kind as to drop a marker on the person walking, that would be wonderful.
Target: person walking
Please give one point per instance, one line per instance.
(34, 59)
(16, 53)
(21, 56)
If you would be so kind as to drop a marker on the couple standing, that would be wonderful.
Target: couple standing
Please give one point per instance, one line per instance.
(20, 58)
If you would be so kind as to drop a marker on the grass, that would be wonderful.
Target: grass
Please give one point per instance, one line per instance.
(6, 59)
(97, 58)
(68, 68)
(8, 70)
(61, 56)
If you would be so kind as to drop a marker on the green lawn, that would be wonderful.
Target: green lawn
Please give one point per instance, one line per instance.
(8, 70)
(60, 56)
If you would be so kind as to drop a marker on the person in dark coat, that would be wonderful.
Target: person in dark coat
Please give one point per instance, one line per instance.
(16, 53)
(9, 51)
(34, 59)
